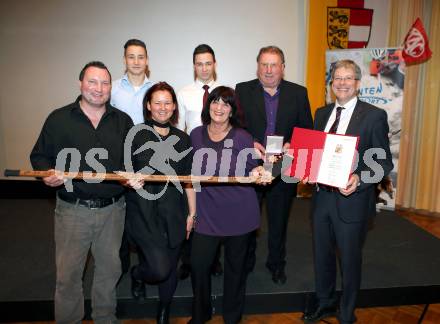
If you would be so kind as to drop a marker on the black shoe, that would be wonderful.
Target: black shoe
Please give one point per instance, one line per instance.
(163, 313)
(138, 288)
(184, 271)
(216, 269)
(279, 276)
(319, 314)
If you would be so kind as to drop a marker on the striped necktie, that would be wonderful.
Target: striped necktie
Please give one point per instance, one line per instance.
(335, 125)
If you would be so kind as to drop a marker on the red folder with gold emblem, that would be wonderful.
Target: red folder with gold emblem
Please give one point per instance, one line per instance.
(322, 157)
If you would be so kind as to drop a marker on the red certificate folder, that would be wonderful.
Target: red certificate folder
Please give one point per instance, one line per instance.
(307, 147)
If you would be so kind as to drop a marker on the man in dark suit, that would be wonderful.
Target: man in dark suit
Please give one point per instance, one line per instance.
(340, 215)
(273, 106)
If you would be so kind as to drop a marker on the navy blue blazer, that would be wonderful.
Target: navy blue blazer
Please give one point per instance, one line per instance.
(370, 123)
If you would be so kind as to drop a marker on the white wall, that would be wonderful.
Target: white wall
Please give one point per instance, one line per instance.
(45, 43)
(379, 29)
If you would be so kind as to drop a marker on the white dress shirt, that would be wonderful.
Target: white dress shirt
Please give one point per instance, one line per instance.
(345, 116)
(190, 99)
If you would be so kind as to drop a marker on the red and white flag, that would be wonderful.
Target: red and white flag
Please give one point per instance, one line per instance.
(416, 46)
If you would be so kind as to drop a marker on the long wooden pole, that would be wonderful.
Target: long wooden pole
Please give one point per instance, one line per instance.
(121, 176)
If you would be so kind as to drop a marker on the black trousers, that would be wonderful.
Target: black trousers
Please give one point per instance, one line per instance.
(185, 253)
(335, 240)
(234, 285)
(127, 241)
(125, 252)
(279, 197)
(159, 267)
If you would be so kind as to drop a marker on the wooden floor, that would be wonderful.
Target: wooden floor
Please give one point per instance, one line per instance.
(377, 315)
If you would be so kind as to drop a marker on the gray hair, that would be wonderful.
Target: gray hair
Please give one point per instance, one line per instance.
(348, 64)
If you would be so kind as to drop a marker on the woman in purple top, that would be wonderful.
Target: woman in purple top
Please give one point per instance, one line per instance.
(226, 213)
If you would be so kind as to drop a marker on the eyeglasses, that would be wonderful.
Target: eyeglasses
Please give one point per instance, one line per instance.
(349, 78)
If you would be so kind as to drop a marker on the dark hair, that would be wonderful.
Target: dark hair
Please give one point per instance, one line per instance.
(227, 95)
(96, 64)
(202, 49)
(161, 86)
(273, 50)
(137, 42)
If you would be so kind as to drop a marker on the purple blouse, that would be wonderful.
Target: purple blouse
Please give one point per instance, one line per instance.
(225, 209)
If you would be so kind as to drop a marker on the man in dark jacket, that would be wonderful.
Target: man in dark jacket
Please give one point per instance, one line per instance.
(340, 215)
(272, 106)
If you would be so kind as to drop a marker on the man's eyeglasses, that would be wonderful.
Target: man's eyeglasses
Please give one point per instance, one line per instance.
(349, 78)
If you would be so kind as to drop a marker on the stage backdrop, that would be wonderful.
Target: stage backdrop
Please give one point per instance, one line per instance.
(383, 74)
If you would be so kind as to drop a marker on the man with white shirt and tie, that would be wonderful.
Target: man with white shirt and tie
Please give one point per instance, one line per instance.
(191, 100)
(340, 215)
(191, 97)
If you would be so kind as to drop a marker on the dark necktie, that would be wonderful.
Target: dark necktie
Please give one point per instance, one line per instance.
(335, 125)
(206, 94)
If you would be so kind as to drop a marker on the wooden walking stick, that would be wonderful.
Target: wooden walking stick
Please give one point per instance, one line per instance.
(121, 176)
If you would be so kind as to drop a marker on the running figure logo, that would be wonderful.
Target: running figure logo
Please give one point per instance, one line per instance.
(163, 153)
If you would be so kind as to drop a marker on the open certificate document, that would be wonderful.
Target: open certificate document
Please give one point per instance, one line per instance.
(337, 160)
(324, 158)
